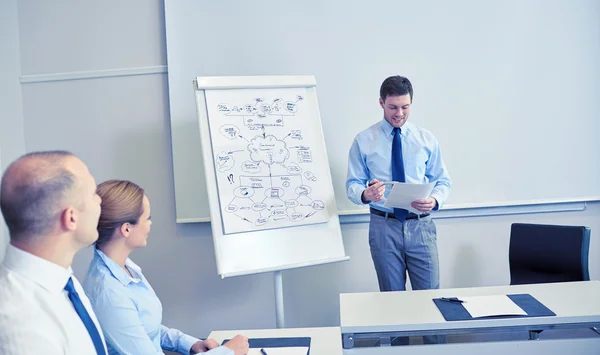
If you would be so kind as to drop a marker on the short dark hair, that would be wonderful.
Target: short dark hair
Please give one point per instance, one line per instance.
(396, 86)
(31, 196)
(122, 202)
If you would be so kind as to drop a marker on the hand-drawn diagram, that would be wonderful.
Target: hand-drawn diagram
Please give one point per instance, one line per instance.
(268, 160)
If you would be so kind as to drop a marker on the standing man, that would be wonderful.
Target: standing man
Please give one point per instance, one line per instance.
(51, 209)
(394, 149)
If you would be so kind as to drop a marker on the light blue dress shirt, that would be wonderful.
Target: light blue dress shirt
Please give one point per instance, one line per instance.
(130, 313)
(371, 158)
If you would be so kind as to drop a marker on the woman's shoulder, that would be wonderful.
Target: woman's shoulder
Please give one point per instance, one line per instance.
(100, 281)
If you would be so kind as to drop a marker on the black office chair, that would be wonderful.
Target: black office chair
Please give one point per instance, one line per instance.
(541, 253)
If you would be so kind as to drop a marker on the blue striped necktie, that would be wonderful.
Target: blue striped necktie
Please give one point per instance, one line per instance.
(85, 318)
(398, 170)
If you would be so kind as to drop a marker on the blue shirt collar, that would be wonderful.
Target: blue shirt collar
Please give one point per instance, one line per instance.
(117, 272)
(388, 129)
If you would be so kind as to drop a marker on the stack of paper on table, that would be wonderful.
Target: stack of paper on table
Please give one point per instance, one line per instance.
(403, 194)
(295, 350)
(489, 306)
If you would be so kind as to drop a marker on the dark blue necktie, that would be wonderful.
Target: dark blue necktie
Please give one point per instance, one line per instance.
(85, 317)
(398, 170)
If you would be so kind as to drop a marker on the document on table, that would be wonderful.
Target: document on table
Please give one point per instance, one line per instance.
(292, 350)
(489, 306)
(403, 194)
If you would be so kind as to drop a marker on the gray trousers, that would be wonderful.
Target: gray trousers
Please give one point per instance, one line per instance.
(398, 248)
(401, 248)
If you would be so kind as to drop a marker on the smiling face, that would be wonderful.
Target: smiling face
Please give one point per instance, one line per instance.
(396, 109)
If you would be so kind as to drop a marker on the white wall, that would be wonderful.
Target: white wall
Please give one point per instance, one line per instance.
(11, 115)
(120, 127)
(489, 78)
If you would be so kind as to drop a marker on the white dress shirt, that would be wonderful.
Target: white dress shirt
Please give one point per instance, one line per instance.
(36, 315)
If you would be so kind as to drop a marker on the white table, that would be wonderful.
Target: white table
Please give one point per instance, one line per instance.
(412, 313)
(546, 347)
(324, 341)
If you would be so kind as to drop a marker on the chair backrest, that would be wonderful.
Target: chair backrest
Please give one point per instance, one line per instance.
(541, 253)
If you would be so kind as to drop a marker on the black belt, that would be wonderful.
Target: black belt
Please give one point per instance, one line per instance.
(391, 214)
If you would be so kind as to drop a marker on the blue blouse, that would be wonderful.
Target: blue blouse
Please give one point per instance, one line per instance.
(129, 311)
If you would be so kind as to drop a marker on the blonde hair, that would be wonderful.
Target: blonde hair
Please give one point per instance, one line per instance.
(122, 202)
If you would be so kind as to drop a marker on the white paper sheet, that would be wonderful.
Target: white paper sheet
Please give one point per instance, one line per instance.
(295, 350)
(268, 159)
(403, 194)
(487, 306)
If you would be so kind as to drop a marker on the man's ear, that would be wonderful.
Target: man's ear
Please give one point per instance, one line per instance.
(69, 219)
(125, 229)
(381, 102)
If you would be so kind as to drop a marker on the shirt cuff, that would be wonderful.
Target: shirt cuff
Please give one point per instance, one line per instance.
(186, 342)
(438, 198)
(357, 198)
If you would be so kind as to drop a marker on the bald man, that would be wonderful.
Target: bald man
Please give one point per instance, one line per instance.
(50, 206)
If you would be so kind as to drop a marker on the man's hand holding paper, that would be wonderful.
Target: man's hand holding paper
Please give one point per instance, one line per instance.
(412, 197)
(425, 205)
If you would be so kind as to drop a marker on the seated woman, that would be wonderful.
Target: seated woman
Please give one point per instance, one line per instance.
(127, 308)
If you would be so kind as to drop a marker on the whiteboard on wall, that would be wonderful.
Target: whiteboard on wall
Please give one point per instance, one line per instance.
(508, 88)
(270, 192)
